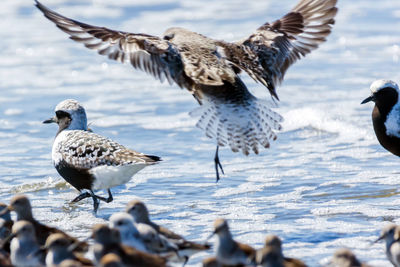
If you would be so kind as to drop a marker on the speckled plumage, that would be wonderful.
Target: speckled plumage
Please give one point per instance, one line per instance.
(87, 150)
(209, 68)
(87, 160)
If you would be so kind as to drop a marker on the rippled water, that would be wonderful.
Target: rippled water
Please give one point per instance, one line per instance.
(324, 184)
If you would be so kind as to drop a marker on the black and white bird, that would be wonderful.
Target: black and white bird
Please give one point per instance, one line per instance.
(209, 69)
(87, 160)
(386, 114)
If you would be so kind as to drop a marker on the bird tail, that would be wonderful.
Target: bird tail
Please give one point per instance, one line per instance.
(242, 126)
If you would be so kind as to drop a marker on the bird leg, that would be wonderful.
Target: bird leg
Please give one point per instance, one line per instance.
(186, 258)
(81, 196)
(95, 202)
(217, 164)
(108, 199)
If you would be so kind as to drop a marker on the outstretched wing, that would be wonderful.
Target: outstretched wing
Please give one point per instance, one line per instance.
(151, 54)
(86, 150)
(273, 48)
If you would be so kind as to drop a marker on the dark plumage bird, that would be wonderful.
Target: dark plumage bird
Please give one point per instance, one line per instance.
(89, 161)
(58, 250)
(386, 114)
(107, 240)
(185, 248)
(229, 251)
(21, 205)
(271, 255)
(209, 69)
(345, 258)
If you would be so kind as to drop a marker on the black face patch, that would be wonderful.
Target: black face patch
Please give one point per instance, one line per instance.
(62, 114)
(385, 99)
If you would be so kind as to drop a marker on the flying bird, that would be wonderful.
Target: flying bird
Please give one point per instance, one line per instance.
(209, 69)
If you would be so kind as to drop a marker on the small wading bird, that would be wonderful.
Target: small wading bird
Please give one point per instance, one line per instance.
(89, 161)
(271, 255)
(345, 258)
(138, 210)
(21, 205)
(230, 252)
(391, 235)
(210, 68)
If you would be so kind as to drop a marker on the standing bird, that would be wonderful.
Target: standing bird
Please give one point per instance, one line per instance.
(58, 246)
(271, 254)
(386, 114)
(107, 240)
(345, 258)
(89, 161)
(391, 235)
(140, 236)
(186, 248)
(21, 205)
(230, 252)
(209, 69)
(25, 250)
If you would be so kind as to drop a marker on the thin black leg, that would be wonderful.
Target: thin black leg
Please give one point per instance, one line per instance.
(217, 164)
(81, 197)
(95, 202)
(108, 199)
(186, 260)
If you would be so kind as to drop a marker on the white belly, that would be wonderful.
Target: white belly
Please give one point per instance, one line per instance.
(110, 176)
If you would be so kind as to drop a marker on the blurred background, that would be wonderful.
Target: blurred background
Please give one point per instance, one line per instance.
(325, 183)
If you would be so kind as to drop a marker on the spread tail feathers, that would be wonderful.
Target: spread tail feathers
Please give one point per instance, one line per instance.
(243, 127)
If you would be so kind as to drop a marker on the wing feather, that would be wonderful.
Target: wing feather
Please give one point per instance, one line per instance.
(86, 150)
(275, 47)
(151, 54)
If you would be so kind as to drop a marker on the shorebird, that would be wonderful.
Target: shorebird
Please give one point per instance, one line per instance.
(345, 258)
(140, 236)
(140, 213)
(58, 250)
(25, 250)
(107, 240)
(6, 222)
(21, 205)
(391, 235)
(230, 252)
(385, 115)
(209, 69)
(271, 254)
(89, 161)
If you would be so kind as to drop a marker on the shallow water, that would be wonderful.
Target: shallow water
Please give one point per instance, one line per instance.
(325, 183)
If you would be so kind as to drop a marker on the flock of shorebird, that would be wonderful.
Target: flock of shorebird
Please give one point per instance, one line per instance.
(209, 69)
(132, 239)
